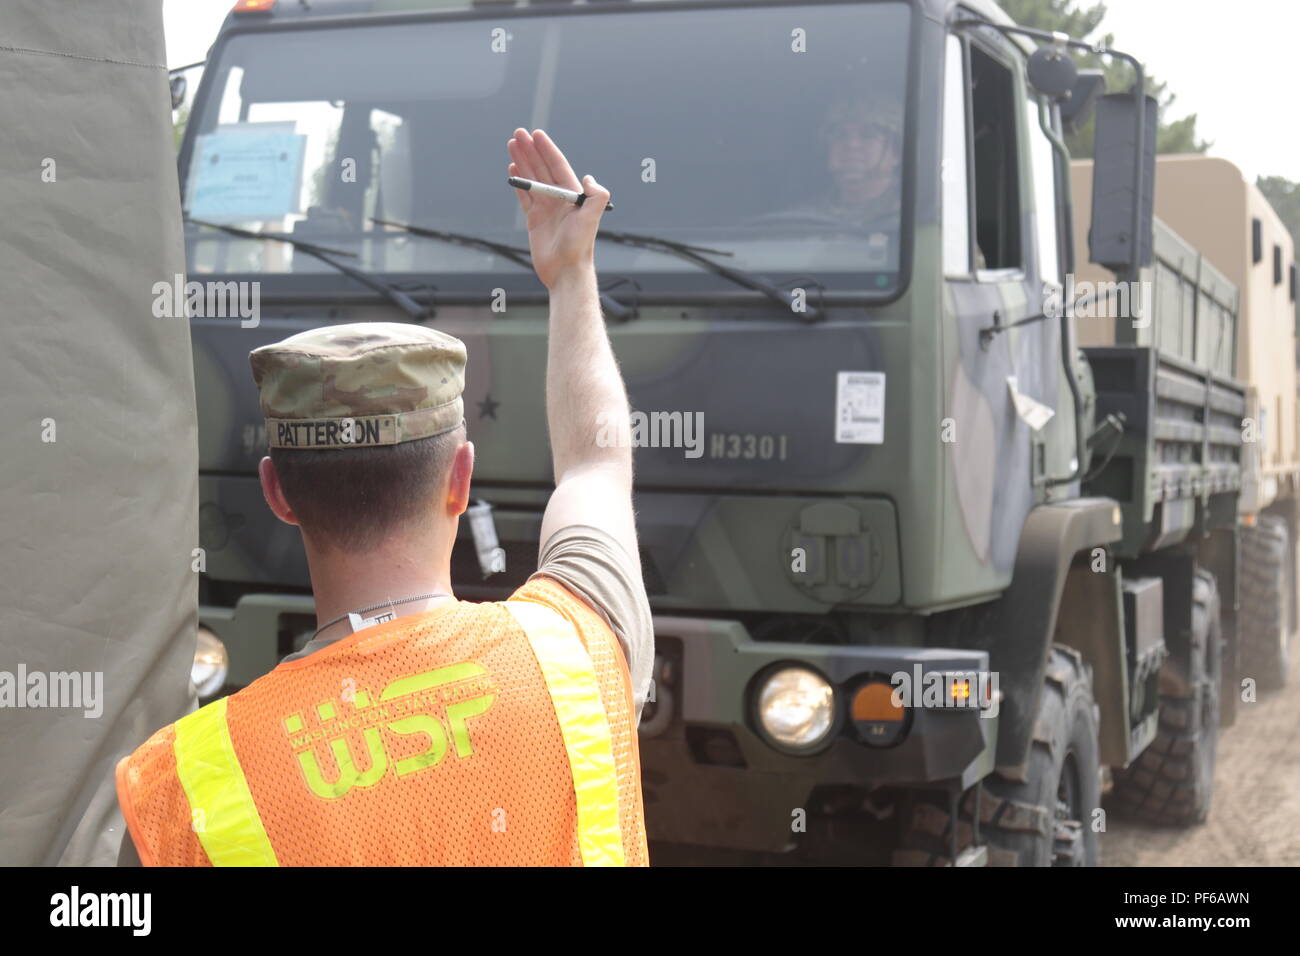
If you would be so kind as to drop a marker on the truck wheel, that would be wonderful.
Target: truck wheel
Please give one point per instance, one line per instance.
(1172, 781)
(1265, 625)
(1045, 819)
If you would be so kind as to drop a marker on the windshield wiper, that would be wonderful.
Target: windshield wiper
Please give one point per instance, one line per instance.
(396, 296)
(696, 254)
(515, 254)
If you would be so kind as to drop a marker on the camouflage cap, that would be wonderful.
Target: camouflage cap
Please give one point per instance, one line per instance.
(355, 386)
(870, 107)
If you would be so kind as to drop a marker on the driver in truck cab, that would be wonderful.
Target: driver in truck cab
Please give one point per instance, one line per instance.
(415, 728)
(861, 136)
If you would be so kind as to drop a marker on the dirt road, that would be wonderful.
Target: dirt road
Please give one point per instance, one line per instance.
(1255, 817)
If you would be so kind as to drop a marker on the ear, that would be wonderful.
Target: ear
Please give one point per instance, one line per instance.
(462, 470)
(273, 493)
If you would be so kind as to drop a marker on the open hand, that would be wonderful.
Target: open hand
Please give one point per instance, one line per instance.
(561, 236)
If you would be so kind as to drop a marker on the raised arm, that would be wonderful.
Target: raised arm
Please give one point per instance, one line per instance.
(586, 402)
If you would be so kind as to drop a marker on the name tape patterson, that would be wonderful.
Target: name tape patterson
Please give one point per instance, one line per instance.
(360, 431)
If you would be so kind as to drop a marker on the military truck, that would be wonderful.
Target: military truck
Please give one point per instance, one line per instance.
(1232, 227)
(921, 567)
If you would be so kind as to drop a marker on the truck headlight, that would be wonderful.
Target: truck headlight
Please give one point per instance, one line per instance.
(796, 708)
(211, 664)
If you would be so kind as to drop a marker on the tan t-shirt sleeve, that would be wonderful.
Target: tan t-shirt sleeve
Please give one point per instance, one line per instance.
(595, 567)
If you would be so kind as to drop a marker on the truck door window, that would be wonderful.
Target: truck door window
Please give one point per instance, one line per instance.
(997, 175)
(231, 105)
(956, 195)
(1042, 158)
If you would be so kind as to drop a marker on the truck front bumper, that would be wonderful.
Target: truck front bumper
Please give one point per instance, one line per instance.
(711, 778)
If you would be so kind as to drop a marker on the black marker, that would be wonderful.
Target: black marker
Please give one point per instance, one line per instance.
(568, 195)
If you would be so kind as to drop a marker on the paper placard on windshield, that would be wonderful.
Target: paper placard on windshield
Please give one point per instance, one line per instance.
(860, 408)
(247, 172)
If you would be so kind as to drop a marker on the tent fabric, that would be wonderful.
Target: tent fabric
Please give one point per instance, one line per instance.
(99, 474)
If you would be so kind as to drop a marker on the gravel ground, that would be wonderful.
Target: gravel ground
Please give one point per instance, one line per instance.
(1255, 817)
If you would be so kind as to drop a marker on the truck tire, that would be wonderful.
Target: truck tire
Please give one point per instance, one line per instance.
(1265, 616)
(1172, 781)
(1045, 819)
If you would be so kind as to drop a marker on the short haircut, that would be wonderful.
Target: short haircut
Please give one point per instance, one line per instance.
(354, 499)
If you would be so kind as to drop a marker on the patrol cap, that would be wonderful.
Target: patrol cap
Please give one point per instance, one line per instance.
(360, 385)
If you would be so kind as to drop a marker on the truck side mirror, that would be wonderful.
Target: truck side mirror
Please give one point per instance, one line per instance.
(1078, 106)
(1123, 184)
(178, 85)
(1052, 71)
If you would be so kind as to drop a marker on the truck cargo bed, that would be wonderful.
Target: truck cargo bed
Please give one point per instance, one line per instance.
(1181, 446)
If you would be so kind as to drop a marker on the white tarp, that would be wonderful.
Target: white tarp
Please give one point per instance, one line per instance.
(99, 471)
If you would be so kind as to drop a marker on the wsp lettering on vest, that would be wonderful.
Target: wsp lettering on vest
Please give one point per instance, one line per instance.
(465, 691)
(75, 908)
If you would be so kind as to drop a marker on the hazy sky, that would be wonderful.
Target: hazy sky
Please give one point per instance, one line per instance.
(1227, 61)
(1232, 63)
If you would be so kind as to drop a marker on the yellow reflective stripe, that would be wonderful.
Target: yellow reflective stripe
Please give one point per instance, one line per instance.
(224, 817)
(571, 678)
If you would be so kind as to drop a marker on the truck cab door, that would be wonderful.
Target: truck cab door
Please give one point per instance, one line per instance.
(998, 248)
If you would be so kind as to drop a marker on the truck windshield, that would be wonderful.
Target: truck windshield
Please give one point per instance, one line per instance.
(773, 133)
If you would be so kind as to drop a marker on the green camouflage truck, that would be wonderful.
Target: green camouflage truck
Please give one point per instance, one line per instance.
(925, 573)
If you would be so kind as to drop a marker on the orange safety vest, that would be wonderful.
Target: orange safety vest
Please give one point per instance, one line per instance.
(471, 734)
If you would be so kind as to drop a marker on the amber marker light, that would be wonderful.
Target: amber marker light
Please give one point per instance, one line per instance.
(959, 690)
(879, 721)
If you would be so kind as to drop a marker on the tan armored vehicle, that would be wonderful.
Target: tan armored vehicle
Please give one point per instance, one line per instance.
(1218, 229)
